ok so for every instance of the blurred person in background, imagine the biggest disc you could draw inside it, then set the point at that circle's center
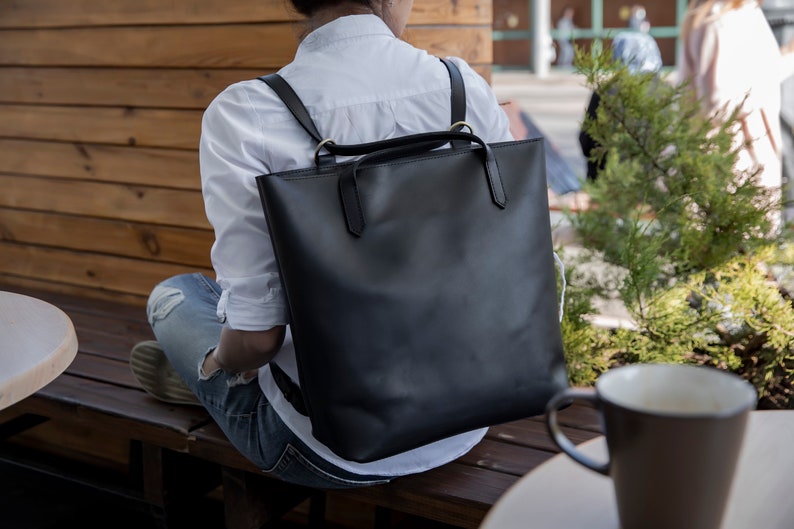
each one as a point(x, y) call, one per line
point(638, 19)
point(639, 53)
point(565, 27)
point(731, 58)
point(780, 15)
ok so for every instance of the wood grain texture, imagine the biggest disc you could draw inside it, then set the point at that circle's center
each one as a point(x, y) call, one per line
point(229, 46)
point(57, 13)
point(114, 126)
point(178, 169)
point(127, 87)
point(153, 205)
point(89, 270)
point(21, 283)
point(117, 86)
point(473, 44)
point(107, 236)
point(100, 119)
point(457, 12)
point(99, 405)
point(220, 46)
point(88, 448)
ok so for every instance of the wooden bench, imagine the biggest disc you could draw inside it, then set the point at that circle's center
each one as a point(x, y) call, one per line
point(168, 456)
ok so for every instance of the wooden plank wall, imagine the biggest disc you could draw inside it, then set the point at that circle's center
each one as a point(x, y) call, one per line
point(100, 112)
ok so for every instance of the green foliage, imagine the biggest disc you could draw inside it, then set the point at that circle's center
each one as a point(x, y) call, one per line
point(701, 274)
point(585, 344)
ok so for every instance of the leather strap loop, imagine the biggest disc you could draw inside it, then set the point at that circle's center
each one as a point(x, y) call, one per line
point(411, 145)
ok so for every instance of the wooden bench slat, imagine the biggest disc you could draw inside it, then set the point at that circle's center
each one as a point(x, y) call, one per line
point(456, 494)
point(578, 415)
point(89, 270)
point(102, 369)
point(135, 240)
point(138, 87)
point(93, 343)
point(185, 246)
point(533, 431)
point(109, 324)
point(171, 128)
point(83, 198)
point(103, 342)
point(263, 45)
point(101, 163)
point(503, 457)
point(15, 282)
point(74, 304)
point(117, 409)
point(470, 12)
point(56, 13)
point(472, 43)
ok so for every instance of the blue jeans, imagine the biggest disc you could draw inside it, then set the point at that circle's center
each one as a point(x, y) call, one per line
point(182, 313)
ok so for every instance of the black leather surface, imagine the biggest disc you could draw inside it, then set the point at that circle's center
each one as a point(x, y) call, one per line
point(440, 317)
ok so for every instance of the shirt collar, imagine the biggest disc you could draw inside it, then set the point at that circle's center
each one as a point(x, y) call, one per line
point(343, 28)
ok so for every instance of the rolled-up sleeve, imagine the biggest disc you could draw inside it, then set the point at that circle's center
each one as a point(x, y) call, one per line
point(242, 254)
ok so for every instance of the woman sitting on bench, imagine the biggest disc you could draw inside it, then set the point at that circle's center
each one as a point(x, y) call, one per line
point(215, 339)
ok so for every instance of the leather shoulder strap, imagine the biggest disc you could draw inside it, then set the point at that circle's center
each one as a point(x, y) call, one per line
point(297, 108)
point(458, 93)
point(293, 103)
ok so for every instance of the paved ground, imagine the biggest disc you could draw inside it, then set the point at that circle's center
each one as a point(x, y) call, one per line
point(557, 104)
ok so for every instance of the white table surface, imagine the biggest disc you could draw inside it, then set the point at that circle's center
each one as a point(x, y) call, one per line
point(561, 494)
point(37, 343)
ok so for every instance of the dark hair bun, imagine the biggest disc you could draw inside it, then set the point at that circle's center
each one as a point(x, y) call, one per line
point(309, 7)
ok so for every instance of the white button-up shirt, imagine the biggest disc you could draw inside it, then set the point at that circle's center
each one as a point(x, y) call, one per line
point(360, 84)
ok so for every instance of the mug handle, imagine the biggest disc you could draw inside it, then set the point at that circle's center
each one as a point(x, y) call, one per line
point(559, 400)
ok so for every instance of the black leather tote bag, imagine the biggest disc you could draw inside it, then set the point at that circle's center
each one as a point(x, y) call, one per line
point(421, 286)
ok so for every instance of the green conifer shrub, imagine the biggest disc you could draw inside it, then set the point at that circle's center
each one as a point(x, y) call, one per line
point(686, 238)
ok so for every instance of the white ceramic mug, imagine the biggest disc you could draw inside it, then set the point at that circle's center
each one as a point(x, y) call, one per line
point(673, 433)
